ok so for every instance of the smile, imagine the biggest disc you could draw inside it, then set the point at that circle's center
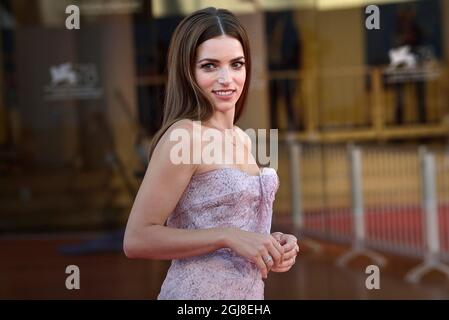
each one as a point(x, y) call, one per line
point(223, 92)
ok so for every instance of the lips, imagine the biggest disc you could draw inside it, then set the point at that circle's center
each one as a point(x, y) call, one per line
point(224, 93)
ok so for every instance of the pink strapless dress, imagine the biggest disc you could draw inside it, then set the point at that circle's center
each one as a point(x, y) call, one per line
point(225, 197)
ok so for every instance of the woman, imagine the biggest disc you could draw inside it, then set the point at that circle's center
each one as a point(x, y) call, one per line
point(211, 218)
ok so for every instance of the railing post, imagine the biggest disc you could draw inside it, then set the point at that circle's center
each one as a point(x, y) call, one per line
point(358, 246)
point(357, 194)
point(430, 205)
point(294, 150)
point(430, 210)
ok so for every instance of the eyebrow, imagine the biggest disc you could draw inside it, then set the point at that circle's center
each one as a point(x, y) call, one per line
point(215, 60)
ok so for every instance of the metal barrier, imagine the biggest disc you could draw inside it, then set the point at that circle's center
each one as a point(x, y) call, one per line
point(432, 259)
point(391, 199)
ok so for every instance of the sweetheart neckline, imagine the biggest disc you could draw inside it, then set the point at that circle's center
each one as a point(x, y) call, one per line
point(261, 170)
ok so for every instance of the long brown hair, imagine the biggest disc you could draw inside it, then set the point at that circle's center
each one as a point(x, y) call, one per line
point(184, 99)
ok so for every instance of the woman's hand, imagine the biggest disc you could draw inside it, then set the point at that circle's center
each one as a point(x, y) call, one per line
point(290, 245)
point(264, 250)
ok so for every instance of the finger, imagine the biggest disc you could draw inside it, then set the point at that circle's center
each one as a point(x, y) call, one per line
point(290, 254)
point(277, 236)
point(261, 266)
point(276, 251)
point(269, 263)
point(289, 238)
point(279, 247)
point(290, 244)
point(287, 263)
point(284, 269)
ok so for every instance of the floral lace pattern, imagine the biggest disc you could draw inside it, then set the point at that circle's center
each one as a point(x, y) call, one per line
point(225, 197)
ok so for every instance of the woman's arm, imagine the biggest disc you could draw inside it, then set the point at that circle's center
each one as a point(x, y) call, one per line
point(162, 187)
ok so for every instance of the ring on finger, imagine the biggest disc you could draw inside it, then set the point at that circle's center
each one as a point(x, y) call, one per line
point(267, 259)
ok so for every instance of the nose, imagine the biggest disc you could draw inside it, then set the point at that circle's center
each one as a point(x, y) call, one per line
point(223, 76)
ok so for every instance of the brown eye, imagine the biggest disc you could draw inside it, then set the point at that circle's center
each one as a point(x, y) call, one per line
point(208, 66)
point(238, 65)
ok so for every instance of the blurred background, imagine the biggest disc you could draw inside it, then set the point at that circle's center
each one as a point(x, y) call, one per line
point(363, 119)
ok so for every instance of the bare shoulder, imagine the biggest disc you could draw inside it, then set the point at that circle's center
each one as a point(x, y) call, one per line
point(183, 124)
point(165, 179)
point(175, 131)
point(180, 136)
point(180, 125)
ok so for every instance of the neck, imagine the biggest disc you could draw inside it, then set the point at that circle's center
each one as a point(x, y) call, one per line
point(221, 120)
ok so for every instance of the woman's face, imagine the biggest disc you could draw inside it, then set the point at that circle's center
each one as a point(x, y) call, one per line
point(220, 70)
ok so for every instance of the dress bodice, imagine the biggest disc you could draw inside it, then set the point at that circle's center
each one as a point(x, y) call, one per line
point(224, 197)
point(227, 197)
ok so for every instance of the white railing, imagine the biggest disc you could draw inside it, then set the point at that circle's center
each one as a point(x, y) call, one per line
point(375, 198)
